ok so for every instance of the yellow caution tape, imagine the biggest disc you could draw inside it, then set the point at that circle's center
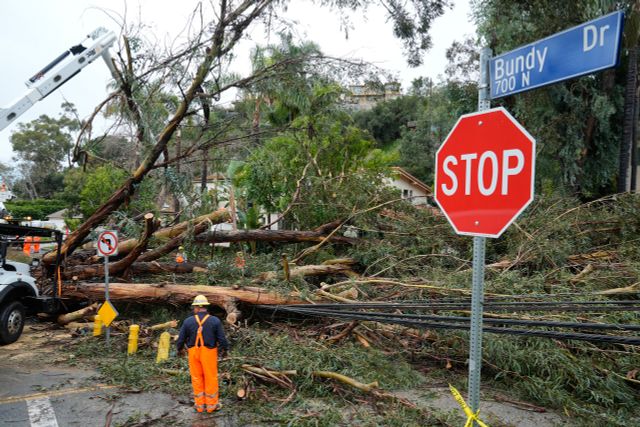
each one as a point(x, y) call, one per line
point(471, 416)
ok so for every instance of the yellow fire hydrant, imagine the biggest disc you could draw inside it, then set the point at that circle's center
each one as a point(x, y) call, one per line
point(134, 330)
point(163, 347)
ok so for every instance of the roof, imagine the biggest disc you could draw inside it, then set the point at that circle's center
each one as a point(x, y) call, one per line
point(406, 176)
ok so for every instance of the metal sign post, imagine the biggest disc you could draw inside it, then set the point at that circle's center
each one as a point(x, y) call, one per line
point(107, 245)
point(479, 244)
point(106, 293)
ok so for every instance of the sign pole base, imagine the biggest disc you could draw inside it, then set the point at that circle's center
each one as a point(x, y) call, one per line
point(475, 342)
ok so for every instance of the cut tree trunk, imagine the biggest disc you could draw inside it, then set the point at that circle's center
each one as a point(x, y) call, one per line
point(233, 314)
point(177, 294)
point(64, 319)
point(83, 272)
point(308, 270)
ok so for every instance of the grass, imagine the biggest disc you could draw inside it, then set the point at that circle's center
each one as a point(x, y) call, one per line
point(585, 381)
point(316, 402)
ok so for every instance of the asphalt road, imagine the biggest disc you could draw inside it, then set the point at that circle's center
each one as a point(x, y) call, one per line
point(37, 389)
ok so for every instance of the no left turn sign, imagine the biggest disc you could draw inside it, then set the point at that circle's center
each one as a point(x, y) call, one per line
point(108, 243)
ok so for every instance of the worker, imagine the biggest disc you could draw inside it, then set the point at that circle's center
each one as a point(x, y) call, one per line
point(180, 255)
point(203, 335)
point(26, 246)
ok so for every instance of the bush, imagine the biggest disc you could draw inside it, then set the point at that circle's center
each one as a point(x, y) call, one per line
point(37, 209)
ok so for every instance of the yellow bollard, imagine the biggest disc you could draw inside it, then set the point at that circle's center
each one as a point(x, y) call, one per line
point(133, 339)
point(163, 347)
point(97, 326)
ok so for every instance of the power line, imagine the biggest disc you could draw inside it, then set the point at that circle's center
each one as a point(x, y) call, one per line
point(443, 322)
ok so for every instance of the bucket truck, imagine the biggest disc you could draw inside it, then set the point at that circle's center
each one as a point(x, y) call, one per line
point(19, 294)
point(59, 71)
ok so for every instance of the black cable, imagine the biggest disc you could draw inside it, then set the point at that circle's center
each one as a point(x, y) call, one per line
point(612, 339)
point(588, 306)
point(522, 322)
point(439, 303)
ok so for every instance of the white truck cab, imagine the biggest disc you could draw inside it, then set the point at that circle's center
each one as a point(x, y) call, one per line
point(19, 294)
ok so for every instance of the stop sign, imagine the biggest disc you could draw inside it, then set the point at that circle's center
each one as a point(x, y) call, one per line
point(485, 172)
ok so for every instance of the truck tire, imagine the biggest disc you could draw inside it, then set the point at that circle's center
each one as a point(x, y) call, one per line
point(12, 317)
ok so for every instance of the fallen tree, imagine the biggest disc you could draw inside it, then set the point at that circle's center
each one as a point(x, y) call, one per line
point(219, 40)
point(82, 272)
point(140, 268)
point(328, 268)
point(173, 237)
point(178, 294)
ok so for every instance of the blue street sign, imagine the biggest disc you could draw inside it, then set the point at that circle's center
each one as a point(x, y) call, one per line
point(589, 47)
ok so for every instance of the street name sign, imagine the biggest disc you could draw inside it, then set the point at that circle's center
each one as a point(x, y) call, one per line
point(485, 173)
point(584, 49)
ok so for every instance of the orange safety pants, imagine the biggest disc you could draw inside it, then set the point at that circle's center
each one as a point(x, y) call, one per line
point(203, 366)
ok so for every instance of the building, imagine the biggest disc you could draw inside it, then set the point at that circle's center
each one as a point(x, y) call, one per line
point(365, 97)
point(410, 187)
point(55, 220)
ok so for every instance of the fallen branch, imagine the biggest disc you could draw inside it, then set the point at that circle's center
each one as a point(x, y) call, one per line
point(64, 319)
point(345, 332)
point(308, 270)
point(155, 267)
point(175, 236)
point(631, 289)
point(200, 225)
point(279, 376)
point(82, 272)
point(582, 274)
point(165, 325)
point(346, 380)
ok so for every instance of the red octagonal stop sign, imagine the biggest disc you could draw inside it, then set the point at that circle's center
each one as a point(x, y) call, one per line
point(485, 173)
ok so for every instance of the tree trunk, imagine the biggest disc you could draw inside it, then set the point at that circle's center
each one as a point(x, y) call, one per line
point(63, 319)
point(227, 32)
point(176, 232)
point(176, 198)
point(308, 270)
point(82, 272)
point(624, 158)
point(204, 172)
point(177, 294)
point(636, 146)
point(167, 267)
point(201, 225)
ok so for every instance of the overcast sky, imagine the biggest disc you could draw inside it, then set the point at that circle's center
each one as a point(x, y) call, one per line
point(34, 32)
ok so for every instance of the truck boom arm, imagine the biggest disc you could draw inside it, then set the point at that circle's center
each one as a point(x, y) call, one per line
point(60, 70)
